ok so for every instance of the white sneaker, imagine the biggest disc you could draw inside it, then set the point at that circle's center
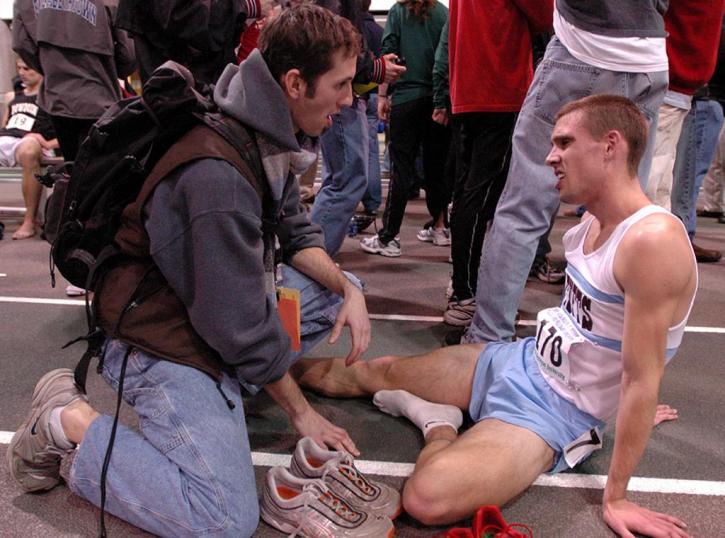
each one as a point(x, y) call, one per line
point(440, 237)
point(309, 508)
point(74, 291)
point(337, 470)
point(374, 246)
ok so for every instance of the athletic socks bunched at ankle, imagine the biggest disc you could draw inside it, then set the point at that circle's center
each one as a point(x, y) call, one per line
point(424, 414)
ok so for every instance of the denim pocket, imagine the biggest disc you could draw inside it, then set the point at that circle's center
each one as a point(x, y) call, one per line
point(560, 82)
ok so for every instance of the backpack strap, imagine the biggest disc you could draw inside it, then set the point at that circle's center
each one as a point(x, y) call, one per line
point(219, 139)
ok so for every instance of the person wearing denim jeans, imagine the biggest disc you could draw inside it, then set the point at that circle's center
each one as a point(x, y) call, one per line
point(529, 198)
point(373, 195)
point(191, 314)
point(345, 148)
point(695, 151)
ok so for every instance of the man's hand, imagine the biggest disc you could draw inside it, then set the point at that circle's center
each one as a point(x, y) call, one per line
point(354, 314)
point(625, 517)
point(310, 423)
point(384, 108)
point(45, 144)
point(664, 413)
point(392, 69)
point(440, 115)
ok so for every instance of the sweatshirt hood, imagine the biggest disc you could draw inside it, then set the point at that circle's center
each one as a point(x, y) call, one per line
point(249, 93)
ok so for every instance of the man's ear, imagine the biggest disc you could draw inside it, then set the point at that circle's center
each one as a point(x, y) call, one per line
point(614, 142)
point(293, 84)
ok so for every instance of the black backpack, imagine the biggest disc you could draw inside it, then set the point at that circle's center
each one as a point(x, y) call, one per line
point(84, 212)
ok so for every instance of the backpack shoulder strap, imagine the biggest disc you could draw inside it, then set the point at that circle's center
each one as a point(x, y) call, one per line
point(219, 141)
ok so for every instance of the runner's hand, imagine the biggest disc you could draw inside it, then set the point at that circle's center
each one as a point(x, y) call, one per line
point(625, 518)
point(664, 413)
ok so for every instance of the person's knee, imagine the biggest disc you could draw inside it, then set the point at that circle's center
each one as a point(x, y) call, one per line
point(233, 518)
point(28, 153)
point(425, 499)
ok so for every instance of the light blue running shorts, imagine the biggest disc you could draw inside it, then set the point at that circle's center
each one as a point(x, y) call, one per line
point(509, 387)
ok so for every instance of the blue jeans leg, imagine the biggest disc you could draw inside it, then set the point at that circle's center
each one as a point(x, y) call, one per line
point(189, 471)
point(695, 150)
point(318, 306)
point(372, 198)
point(529, 198)
point(345, 178)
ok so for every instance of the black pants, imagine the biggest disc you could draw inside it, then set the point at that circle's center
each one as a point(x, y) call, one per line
point(482, 162)
point(70, 133)
point(410, 126)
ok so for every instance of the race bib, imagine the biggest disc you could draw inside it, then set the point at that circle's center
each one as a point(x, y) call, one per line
point(556, 335)
point(21, 121)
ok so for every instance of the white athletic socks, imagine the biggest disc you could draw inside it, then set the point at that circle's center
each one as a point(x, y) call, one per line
point(424, 414)
point(56, 430)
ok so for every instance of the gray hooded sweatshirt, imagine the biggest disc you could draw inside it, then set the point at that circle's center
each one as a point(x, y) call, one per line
point(205, 228)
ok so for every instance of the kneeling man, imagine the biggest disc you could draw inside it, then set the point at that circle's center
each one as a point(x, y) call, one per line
point(539, 402)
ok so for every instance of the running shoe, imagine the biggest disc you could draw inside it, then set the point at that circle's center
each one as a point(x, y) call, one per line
point(460, 313)
point(33, 455)
point(373, 245)
point(309, 508)
point(441, 237)
point(337, 470)
point(545, 271)
point(74, 291)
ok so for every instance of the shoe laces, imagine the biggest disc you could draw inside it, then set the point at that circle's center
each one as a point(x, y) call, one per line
point(510, 531)
point(317, 489)
point(345, 465)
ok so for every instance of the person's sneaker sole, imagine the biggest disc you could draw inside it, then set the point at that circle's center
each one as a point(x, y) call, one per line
point(24, 471)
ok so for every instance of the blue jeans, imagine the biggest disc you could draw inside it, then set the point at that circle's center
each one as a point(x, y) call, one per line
point(344, 174)
point(529, 198)
point(189, 470)
point(373, 196)
point(695, 150)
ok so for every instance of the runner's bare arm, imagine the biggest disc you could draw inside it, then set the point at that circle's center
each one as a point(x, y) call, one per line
point(654, 268)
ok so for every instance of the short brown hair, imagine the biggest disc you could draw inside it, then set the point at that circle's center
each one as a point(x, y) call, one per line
point(604, 113)
point(306, 37)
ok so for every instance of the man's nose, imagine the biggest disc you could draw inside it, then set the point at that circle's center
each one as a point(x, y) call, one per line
point(553, 156)
point(346, 99)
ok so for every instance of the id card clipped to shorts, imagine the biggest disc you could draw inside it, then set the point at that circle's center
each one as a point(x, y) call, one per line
point(288, 308)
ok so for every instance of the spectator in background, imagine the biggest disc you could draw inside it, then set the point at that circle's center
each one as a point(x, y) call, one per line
point(412, 31)
point(199, 34)
point(26, 137)
point(345, 143)
point(491, 68)
point(81, 56)
point(695, 27)
point(373, 194)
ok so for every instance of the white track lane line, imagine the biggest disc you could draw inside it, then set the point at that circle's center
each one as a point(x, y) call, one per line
point(564, 480)
point(379, 317)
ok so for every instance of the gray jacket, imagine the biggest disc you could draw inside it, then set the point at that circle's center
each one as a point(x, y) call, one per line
point(78, 51)
point(205, 228)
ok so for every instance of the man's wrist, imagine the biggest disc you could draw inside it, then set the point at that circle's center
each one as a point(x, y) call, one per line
point(384, 96)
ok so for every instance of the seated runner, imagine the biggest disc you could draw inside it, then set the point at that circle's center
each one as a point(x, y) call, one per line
point(539, 403)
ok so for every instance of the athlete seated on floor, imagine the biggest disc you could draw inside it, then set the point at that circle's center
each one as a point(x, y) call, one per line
point(539, 402)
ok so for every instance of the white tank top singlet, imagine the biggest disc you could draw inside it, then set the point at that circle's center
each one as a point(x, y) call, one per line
point(579, 344)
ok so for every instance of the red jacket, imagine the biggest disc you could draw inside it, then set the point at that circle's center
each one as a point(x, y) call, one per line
point(489, 52)
point(694, 34)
